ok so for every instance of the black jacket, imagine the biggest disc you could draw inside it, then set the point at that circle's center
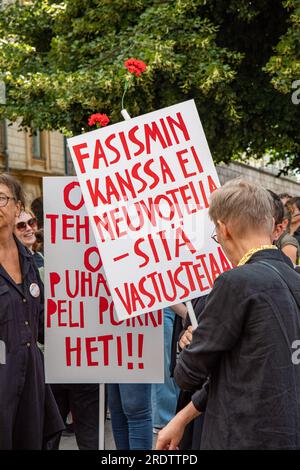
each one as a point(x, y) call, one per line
point(244, 344)
point(29, 416)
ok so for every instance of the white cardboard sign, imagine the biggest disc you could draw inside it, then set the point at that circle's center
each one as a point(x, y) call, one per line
point(84, 340)
point(146, 183)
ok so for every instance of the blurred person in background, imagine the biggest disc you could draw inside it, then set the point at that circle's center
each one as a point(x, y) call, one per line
point(287, 243)
point(38, 209)
point(39, 244)
point(284, 197)
point(281, 236)
point(293, 205)
point(25, 231)
point(82, 402)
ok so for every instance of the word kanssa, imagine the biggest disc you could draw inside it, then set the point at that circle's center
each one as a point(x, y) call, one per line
point(129, 183)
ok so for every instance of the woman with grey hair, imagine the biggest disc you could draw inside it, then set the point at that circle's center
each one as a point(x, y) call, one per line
point(241, 352)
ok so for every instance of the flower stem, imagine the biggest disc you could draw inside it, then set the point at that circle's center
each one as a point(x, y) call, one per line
point(125, 90)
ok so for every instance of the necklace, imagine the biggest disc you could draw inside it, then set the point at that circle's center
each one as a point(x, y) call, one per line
point(251, 252)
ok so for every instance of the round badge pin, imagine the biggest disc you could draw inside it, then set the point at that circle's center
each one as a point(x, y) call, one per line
point(34, 290)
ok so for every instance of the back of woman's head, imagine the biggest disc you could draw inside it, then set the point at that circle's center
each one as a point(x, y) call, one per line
point(248, 207)
point(294, 201)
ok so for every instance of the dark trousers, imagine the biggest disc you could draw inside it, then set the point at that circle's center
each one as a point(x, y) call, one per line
point(82, 400)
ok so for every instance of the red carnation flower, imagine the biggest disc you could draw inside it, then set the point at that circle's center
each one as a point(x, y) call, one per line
point(135, 66)
point(100, 120)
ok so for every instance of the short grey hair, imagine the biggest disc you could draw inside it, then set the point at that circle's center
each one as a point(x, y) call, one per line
point(247, 205)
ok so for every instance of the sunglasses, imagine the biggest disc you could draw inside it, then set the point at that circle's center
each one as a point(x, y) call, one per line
point(22, 225)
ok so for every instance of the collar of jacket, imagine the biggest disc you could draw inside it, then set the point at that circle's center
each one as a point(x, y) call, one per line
point(271, 254)
point(23, 251)
point(25, 263)
point(252, 251)
point(25, 257)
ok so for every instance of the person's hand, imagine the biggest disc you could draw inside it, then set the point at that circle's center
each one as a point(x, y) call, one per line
point(186, 338)
point(170, 436)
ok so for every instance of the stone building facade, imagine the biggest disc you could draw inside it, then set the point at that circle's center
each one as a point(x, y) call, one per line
point(268, 178)
point(30, 157)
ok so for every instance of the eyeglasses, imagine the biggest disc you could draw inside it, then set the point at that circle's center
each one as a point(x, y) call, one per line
point(22, 225)
point(4, 200)
point(214, 236)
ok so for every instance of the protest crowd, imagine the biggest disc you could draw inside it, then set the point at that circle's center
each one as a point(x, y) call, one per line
point(233, 382)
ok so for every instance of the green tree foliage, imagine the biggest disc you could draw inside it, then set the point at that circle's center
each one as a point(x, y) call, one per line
point(284, 65)
point(62, 61)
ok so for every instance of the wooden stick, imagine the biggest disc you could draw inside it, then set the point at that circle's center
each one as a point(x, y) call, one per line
point(101, 416)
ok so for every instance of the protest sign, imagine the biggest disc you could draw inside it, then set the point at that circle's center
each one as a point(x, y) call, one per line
point(146, 183)
point(85, 342)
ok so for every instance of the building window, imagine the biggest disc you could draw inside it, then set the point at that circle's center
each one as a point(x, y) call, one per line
point(38, 148)
point(39, 144)
point(36, 145)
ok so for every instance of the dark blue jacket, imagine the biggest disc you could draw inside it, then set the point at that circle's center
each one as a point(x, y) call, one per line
point(29, 417)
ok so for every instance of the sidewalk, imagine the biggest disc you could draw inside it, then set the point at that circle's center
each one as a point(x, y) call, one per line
point(69, 442)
